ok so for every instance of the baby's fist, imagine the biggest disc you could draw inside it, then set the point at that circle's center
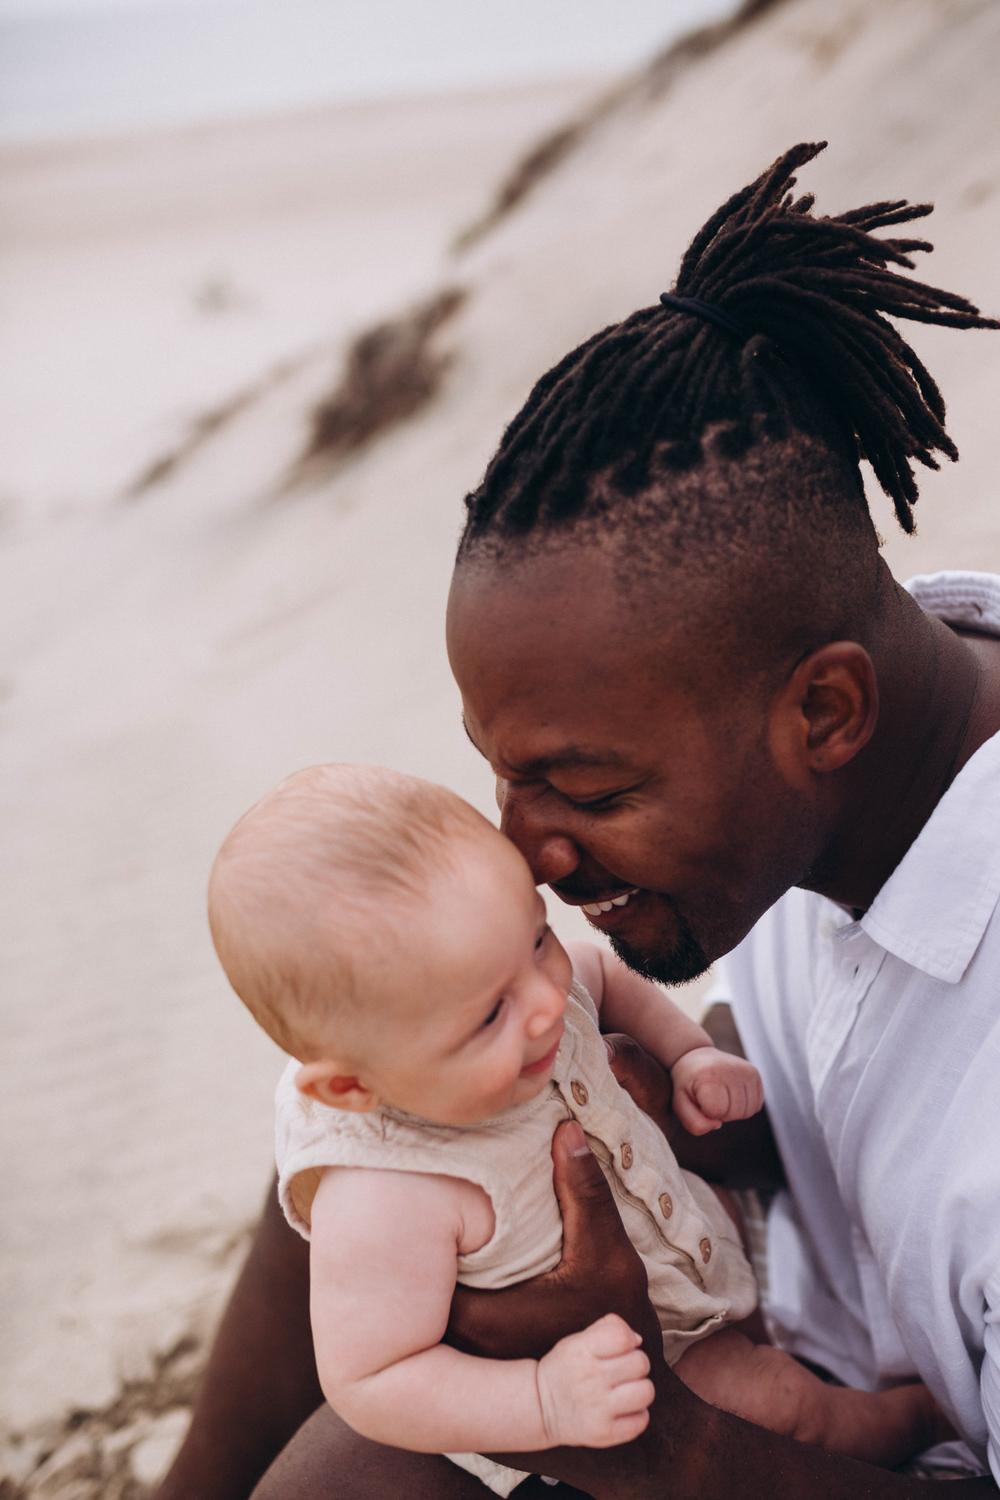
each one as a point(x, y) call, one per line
point(711, 1087)
point(593, 1387)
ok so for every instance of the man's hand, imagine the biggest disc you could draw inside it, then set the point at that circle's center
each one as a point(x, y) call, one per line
point(741, 1155)
point(646, 1079)
point(593, 1387)
point(600, 1272)
point(711, 1087)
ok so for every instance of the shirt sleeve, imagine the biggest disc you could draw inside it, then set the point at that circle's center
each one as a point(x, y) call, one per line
point(989, 1379)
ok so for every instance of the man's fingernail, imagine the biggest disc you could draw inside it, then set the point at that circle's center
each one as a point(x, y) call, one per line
point(577, 1140)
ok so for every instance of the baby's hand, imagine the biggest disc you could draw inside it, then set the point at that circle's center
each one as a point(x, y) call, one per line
point(712, 1086)
point(593, 1386)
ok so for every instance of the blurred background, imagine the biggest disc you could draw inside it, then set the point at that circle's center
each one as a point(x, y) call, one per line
point(273, 276)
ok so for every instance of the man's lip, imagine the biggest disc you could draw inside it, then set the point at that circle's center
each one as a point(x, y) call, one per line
point(573, 898)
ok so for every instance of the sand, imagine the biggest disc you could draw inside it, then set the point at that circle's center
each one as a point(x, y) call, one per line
point(145, 282)
point(174, 648)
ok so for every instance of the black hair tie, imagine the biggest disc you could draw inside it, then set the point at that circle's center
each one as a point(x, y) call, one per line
point(708, 312)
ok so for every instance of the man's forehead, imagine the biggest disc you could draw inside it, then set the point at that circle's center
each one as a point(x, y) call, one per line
point(575, 681)
point(567, 642)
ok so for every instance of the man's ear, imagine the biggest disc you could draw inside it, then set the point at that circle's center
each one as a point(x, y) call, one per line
point(329, 1083)
point(826, 712)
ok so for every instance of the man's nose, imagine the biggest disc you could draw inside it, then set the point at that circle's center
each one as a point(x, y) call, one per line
point(551, 853)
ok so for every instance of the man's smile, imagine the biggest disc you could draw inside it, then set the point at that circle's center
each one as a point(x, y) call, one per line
point(606, 901)
point(594, 909)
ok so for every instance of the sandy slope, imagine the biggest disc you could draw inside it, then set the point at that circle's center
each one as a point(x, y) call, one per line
point(174, 654)
point(143, 281)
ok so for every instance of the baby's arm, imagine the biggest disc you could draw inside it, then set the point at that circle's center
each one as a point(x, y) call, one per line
point(384, 1248)
point(709, 1086)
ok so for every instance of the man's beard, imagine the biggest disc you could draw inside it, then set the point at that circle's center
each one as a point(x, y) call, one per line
point(684, 960)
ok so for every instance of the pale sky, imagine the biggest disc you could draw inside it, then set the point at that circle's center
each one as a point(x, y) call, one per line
point(78, 66)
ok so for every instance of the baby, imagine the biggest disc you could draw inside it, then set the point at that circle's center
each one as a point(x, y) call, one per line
point(389, 937)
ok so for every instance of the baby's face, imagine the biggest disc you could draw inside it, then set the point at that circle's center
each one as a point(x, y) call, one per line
point(476, 1018)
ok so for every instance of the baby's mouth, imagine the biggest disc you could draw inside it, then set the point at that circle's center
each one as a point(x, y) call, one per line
point(545, 1061)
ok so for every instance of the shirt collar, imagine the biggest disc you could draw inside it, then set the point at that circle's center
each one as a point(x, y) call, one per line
point(934, 908)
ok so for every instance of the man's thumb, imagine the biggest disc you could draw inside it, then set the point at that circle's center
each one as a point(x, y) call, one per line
point(588, 1210)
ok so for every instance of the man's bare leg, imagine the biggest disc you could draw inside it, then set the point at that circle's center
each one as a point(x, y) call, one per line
point(260, 1384)
point(327, 1461)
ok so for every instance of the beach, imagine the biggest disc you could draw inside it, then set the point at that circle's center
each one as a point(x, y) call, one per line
point(228, 513)
point(147, 281)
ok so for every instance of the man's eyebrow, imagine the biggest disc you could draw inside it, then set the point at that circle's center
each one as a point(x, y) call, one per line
point(566, 756)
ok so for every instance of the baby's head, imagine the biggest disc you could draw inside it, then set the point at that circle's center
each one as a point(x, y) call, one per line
point(388, 936)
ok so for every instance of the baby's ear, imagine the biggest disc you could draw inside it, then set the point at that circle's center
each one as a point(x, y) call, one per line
point(327, 1082)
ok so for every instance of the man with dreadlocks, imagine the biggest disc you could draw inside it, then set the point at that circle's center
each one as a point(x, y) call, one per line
point(720, 727)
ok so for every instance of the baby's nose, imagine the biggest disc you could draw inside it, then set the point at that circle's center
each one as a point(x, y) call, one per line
point(549, 1006)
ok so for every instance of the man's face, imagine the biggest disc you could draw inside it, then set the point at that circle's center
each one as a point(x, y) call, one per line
point(621, 775)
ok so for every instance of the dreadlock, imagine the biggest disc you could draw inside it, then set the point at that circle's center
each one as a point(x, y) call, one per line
point(816, 355)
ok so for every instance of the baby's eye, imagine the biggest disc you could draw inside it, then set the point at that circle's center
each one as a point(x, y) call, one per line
point(494, 1013)
point(540, 939)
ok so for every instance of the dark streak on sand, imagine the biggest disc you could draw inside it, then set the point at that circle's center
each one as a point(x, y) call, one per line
point(391, 372)
point(208, 424)
point(650, 82)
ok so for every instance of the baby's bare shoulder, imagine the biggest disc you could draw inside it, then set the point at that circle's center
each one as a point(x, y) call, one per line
point(375, 1200)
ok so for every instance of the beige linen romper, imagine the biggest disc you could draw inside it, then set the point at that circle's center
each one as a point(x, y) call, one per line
point(699, 1278)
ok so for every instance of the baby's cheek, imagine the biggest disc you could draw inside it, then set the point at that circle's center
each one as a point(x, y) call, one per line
point(505, 1076)
point(493, 1088)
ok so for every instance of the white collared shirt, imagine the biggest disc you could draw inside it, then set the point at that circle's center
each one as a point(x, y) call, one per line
point(879, 1045)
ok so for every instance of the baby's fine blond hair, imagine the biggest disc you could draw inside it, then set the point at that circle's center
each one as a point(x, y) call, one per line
point(305, 895)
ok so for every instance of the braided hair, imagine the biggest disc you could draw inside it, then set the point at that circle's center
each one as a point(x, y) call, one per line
point(800, 345)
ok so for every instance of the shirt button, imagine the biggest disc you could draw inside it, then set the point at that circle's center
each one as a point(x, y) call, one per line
point(705, 1246)
point(579, 1092)
point(666, 1205)
point(627, 1157)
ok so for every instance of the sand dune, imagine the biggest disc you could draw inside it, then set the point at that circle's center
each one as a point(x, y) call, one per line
point(175, 646)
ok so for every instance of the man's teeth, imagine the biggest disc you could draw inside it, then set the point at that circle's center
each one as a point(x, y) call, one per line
point(597, 907)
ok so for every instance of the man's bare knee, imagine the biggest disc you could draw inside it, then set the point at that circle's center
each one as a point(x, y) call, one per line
point(326, 1460)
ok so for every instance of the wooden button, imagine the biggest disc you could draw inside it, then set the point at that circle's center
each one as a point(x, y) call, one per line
point(666, 1205)
point(705, 1246)
point(627, 1157)
point(579, 1092)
